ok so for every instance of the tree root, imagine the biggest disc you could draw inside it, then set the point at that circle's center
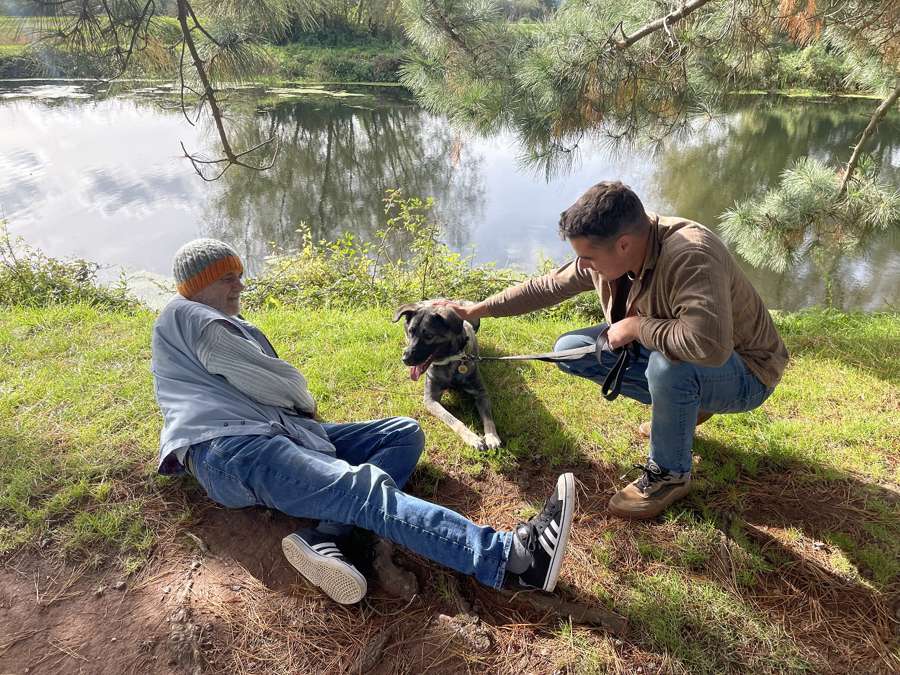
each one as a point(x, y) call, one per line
point(395, 580)
point(578, 612)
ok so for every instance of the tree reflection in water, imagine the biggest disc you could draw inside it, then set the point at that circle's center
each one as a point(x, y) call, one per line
point(745, 151)
point(335, 163)
point(338, 157)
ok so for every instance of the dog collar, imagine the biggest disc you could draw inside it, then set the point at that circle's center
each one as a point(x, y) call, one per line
point(469, 352)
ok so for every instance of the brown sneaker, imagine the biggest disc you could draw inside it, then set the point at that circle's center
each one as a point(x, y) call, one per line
point(644, 427)
point(651, 493)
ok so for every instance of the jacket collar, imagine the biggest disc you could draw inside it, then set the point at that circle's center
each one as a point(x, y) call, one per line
point(654, 246)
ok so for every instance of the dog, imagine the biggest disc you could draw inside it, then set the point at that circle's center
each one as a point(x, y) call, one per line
point(443, 347)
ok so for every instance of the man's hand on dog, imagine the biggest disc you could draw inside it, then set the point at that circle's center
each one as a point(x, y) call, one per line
point(465, 312)
point(624, 332)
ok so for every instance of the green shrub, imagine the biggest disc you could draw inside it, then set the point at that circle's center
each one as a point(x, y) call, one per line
point(406, 262)
point(30, 278)
point(370, 62)
point(812, 67)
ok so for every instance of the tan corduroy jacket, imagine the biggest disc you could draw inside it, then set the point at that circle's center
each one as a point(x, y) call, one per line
point(694, 301)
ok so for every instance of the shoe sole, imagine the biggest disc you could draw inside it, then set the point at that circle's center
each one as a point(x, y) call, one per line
point(565, 491)
point(340, 581)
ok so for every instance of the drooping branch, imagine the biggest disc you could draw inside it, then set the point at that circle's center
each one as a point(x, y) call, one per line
point(143, 20)
point(443, 22)
point(874, 121)
point(208, 97)
point(101, 30)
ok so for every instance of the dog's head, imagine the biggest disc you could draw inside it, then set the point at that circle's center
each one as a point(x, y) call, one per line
point(433, 332)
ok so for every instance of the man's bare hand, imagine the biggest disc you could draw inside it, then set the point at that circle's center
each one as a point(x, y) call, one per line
point(624, 332)
point(466, 312)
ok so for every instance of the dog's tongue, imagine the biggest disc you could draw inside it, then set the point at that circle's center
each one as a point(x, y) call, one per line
point(415, 372)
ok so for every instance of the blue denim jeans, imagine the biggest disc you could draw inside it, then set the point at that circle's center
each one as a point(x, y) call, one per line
point(359, 487)
point(677, 391)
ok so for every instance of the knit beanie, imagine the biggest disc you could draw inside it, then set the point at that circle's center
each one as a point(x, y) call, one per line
point(201, 262)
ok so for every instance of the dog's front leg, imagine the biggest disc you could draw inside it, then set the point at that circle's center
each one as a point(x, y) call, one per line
point(433, 405)
point(483, 403)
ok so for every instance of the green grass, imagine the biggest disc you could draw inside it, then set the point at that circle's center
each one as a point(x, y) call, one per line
point(367, 61)
point(79, 428)
point(78, 412)
point(686, 617)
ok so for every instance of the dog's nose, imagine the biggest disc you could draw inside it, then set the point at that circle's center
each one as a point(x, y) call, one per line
point(407, 357)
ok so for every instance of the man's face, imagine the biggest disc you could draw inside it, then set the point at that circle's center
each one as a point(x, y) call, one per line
point(223, 295)
point(611, 260)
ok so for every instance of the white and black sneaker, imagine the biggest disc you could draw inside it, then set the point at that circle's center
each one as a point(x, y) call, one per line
point(318, 558)
point(545, 536)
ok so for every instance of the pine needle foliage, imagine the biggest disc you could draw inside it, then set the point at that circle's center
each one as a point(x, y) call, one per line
point(641, 71)
point(806, 216)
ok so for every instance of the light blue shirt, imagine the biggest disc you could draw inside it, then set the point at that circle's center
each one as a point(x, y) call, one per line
point(197, 405)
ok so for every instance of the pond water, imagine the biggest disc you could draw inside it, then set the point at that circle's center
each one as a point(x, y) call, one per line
point(89, 174)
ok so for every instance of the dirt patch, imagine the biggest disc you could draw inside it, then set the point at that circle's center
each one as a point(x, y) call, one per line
point(219, 597)
point(69, 621)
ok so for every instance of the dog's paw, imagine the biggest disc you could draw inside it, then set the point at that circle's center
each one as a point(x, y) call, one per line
point(475, 441)
point(492, 441)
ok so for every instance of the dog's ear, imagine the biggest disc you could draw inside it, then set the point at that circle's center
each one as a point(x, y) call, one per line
point(406, 310)
point(474, 322)
point(449, 316)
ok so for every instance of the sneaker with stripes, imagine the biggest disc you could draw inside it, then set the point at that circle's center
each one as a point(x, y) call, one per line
point(546, 536)
point(318, 557)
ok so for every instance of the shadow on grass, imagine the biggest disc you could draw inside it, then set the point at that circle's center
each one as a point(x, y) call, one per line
point(536, 447)
point(827, 547)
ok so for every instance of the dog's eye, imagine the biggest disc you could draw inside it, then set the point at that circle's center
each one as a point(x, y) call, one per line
point(426, 335)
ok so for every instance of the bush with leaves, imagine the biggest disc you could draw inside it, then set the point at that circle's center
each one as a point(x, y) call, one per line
point(30, 278)
point(406, 262)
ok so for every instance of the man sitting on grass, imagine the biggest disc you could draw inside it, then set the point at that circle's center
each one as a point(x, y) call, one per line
point(243, 423)
point(707, 342)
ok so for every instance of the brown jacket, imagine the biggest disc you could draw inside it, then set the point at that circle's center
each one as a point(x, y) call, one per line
point(695, 302)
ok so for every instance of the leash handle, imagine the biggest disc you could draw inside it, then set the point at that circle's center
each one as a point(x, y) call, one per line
point(612, 383)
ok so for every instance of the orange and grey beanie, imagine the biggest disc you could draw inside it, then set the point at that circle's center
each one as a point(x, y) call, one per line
point(201, 262)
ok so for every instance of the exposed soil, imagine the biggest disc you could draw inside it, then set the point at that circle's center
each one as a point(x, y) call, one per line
point(218, 595)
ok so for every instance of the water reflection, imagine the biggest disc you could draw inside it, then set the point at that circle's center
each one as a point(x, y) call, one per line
point(102, 178)
point(335, 163)
point(744, 152)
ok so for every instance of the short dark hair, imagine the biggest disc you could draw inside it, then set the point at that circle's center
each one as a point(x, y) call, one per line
point(606, 211)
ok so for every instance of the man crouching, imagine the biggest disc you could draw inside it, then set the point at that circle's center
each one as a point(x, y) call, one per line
point(243, 423)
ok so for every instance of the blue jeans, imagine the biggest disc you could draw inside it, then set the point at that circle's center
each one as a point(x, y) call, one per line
point(677, 391)
point(359, 487)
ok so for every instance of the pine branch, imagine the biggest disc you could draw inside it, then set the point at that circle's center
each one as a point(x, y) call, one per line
point(876, 118)
point(663, 22)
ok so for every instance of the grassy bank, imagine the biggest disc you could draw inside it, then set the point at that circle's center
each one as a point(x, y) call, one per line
point(809, 481)
point(365, 61)
point(350, 58)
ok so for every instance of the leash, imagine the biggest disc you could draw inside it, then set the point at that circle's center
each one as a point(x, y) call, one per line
point(612, 384)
